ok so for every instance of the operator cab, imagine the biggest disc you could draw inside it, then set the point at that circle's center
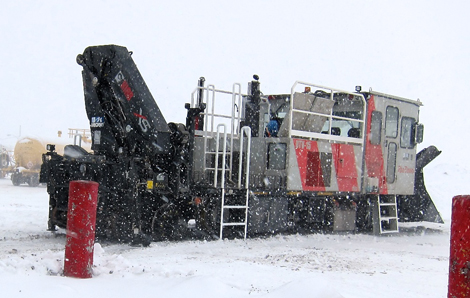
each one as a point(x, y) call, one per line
point(319, 114)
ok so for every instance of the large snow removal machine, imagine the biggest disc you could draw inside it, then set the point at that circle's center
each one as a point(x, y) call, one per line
point(313, 158)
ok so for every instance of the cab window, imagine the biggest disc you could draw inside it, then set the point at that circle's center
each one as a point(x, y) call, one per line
point(407, 133)
point(391, 162)
point(391, 122)
point(376, 128)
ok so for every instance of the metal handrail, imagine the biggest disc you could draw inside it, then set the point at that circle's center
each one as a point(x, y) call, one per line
point(247, 131)
point(236, 94)
point(330, 115)
point(210, 116)
point(217, 152)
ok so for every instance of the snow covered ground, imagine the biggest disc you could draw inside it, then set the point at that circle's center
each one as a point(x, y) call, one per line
point(411, 264)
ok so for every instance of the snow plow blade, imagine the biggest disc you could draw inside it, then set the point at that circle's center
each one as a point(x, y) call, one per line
point(420, 207)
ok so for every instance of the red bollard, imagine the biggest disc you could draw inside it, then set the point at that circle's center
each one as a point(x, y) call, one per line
point(459, 260)
point(81, 219)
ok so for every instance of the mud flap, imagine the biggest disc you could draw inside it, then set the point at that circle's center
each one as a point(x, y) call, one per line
point(419, 207)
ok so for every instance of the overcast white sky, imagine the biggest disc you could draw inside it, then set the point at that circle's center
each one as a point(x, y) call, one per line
point(414, 49)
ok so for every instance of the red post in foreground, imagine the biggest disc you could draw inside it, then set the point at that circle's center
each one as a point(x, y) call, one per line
point(459, 260)
point(81, 219)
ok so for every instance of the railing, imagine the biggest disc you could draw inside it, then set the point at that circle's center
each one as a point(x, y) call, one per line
point(85, 133)
point(320, 135)
point(217, 153)
point(216, 115)
point(245, 131)
point(213, 114)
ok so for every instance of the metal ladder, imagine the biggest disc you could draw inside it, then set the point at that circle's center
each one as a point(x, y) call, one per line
point(230, 194)
point(215, 131)
point(385, 214)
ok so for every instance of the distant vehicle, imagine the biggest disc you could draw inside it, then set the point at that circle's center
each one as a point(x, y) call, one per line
point(28, 157)
point(5, 161)
point(28, 152)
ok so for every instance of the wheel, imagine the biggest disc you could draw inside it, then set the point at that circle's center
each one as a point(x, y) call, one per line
point(208, 220)
point(33, 181)
point(166, 224)
point(15, 179)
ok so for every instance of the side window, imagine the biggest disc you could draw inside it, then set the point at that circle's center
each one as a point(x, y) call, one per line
point(376, 128)
point(277, 156)
point(407, 133)
point(391, 122)
point(391, 162)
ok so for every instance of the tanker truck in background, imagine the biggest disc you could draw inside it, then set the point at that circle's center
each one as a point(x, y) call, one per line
point(28, 155)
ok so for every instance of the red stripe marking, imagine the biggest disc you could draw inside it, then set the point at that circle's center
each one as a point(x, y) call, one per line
point(140, 116)
point(308, 168)
point(374, 154)
point(127, 90)
point(345, 166)
point(314, 173)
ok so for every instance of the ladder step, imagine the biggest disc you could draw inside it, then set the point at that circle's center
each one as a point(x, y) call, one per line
point(220, 152)
point(235, 207)
point(233, 224)
point(385, 213)
point(388, 217)
point(389, 231)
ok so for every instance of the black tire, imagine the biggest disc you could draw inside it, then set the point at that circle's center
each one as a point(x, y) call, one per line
point(166, 224)
point(15, 179)
point(33, 181)
point(208, 220)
